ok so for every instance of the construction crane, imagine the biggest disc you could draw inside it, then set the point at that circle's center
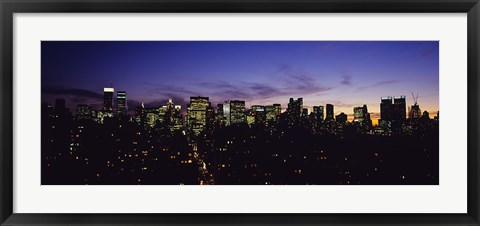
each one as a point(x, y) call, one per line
point(414, 111)
point(415, 98)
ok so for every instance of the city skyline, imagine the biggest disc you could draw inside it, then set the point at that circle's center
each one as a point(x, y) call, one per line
point(230, 144)
point(239, 113)
point(112, 97)
point(259, 72)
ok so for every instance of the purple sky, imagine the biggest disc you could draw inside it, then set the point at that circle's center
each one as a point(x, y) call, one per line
point(343, 73)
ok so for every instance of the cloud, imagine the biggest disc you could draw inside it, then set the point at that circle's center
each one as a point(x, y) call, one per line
point(384, 82)
point(381, 83)
point(288, 82)
point(168, 91)
point(284, 69)
point(132, 104)
point(78, 93)
point(337, 103)
point(84, 100)
point(233, 94)
point(301, 82)
point(265, 90)
point(72, 97)
point(241, 90)
point(216, 85)
point(427, 52)
point(346, 79)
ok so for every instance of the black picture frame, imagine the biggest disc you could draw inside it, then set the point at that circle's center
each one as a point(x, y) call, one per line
point(9, 7)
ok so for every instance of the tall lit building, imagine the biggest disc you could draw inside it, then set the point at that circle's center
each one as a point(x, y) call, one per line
point(366, 117)
point(295, 107)
point(226, 112)
point(164, 115)
point(250, 117)
point(358, 115)
point(304, 114)
point(361, 118)
point(210, 118)
point(330, 110)
point(260, 117)
point(151, 117)
point(237, 112)
point(278, 109)
point(259, 113)
point(272, 112)
point(316, 117)
point(197, 114)
point(294, 111)
point(83, 112)
point(140, 115)
point(257, 108)
point(177, 118)
point(393, 113)
point(318, 113)
point(108, 101)
point(122, 103)
point(399, 108)
point(415, 112)
point(219, 117)
point(386, 109)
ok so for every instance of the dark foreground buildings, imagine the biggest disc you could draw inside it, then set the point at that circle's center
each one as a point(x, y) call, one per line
point(229, 144)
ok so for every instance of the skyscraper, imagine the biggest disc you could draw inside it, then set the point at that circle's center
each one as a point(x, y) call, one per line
point(108, 100)
point(272, 112)
point(259, 113)
point(121, 103)
point(140, 115)
point(329, 116)
point(177, 118)
point(392, 114)
point(316, 117)
point(318, 112)
point(361, 114)
point(415, 112)
point(399, 108)
point(304, 114)
point(358, 115)
point(367, 121)
point(237, 112)
point(386, 109)
point(294, 111)
point(197, 114)
point(250, 117)
point(226, 112)
point(152, 116)
point(278, 109)
point(83, 112)
point(219, 118)
point(295, 107)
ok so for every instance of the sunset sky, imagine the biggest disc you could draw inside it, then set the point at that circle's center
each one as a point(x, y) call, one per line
point(344, 73)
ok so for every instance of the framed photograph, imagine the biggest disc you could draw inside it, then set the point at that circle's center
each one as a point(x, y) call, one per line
point(239, 112)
